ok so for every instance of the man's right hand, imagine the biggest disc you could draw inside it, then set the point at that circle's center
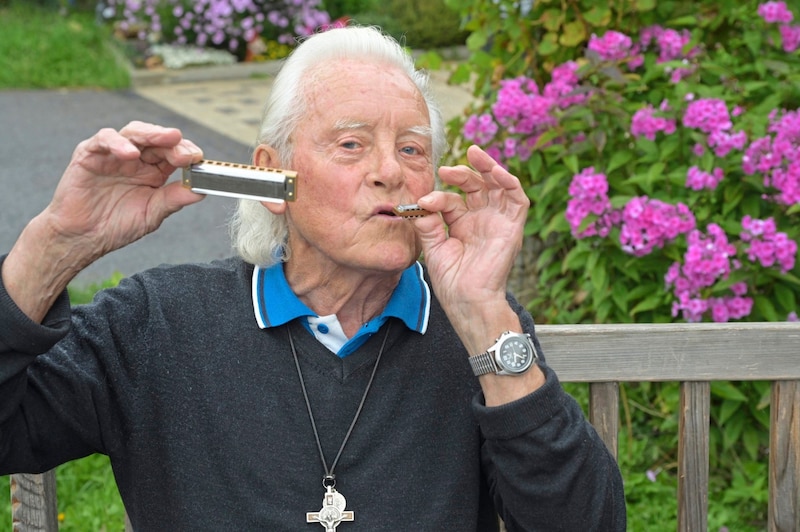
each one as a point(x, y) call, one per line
point(112, 193)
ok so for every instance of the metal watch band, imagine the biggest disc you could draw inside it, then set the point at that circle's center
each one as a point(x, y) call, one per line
point(483, 364)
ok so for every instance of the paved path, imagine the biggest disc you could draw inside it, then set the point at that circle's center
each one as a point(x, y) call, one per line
point(217, 108)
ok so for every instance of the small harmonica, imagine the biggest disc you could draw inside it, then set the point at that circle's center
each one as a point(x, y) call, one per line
point(241, 181)
point(410, 211)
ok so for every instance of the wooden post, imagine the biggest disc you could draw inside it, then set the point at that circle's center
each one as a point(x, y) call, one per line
point(784, 457)
point(693, 447)
point(33, 503)
point(604, 412)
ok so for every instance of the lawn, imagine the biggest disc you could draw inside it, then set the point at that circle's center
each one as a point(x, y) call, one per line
point(41, 48)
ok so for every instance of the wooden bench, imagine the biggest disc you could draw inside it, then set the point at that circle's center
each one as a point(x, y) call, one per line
point(604, 356)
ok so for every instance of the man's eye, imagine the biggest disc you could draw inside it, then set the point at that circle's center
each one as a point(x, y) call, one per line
point(350, 145)
point(409, 150)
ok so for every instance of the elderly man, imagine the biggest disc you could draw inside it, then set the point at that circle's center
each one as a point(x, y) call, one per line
point(257, 393)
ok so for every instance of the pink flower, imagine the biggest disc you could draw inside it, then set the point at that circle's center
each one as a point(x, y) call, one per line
point(648, 224)
point(768, 246)
point(791, 38)
point(709, 115)
point(775, 12)
point(645, 124)
point(696, 179)
point(612, 46)
point(589, 196)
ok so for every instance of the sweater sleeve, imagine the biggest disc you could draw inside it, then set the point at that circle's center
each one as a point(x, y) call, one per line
point(22, 412)
point(546, 466)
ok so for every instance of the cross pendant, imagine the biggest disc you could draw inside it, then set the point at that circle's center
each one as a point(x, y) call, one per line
point(333, 511)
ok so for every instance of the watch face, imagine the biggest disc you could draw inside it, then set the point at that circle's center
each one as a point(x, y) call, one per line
point(515, 354)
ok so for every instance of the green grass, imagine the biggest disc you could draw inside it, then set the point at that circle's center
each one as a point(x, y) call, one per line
point(42, 49)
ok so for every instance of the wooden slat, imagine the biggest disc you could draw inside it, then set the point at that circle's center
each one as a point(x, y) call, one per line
point(672, 352)
point(784, 457)
point(33, 503)
point(604, 412)
point(693, 429)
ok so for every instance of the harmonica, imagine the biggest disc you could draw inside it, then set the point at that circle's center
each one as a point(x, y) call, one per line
point(241, 181)
point(410, 211)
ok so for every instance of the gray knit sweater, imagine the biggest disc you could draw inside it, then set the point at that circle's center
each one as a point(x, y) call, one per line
point(202, 415)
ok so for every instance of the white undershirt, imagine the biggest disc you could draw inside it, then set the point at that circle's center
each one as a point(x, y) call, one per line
point(328, 331)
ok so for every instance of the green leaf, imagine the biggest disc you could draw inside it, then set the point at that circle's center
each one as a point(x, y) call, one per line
point(619, 293)
point(573, 34)
point(726, 390)
point(429, 60)
point(571, 162)
point(598, 16)
point(618, 159)
point(786, 299)
point(461, 74)
point(575, 259)
point(727, 409)
point(477, 40)
point(766, 309)
point(535, 165)
point(649, 303)
point(552, 19)
point(548, 45)
point(599, 277)
point(752, 442)
point(732, 431)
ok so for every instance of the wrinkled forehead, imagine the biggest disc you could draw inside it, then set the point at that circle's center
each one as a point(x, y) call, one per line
point(324, 78)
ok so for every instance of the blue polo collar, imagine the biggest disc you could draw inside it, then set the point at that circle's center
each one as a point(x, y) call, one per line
point(275, 304)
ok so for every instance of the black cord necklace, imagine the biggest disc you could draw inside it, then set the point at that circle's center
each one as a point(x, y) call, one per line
point(333, 503)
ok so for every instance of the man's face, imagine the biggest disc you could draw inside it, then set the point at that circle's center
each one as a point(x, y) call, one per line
point(363, 147)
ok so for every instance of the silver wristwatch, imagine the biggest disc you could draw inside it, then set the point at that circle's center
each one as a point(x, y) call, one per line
point(512, 354)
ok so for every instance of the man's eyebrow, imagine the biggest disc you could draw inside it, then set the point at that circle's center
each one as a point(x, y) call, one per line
point(425, 131)
point(345, 124)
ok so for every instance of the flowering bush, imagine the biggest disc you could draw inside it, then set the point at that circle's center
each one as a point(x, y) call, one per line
point(659, 144)
point(226, 24)
point(663, 166)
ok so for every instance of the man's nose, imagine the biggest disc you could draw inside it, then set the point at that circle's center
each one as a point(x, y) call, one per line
point(388, 169)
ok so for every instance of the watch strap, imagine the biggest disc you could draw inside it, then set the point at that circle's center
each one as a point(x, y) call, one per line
point(483, 364)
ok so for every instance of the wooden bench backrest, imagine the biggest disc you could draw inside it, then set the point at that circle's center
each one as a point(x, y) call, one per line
point(604, 356)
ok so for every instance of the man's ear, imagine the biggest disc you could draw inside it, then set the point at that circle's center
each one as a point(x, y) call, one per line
point(267, 156)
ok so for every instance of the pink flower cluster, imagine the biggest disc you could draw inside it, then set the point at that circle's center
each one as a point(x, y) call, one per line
point(707, 259)
point(589, 195)
point(480, 129)
point(646, 124)
point(670, 44)
point(767, 245)
point(649, 223)
point(697, 179)
point(612, 46)
point(778, 13)
point(777, 157)
point(711, 116)
point(523, 112)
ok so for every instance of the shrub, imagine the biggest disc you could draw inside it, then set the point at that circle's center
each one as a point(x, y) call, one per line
point(224, 24)
point(658, 143)
point(662, 165)
point(419, 24)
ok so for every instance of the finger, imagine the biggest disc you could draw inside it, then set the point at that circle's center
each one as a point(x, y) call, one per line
point(169, 158)
point(494, 174)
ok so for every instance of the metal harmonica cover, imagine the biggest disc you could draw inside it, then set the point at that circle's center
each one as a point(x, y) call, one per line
point(410, 211)
point(241, 181)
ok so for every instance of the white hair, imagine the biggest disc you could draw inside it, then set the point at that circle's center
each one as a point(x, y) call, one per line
point(259, 236)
